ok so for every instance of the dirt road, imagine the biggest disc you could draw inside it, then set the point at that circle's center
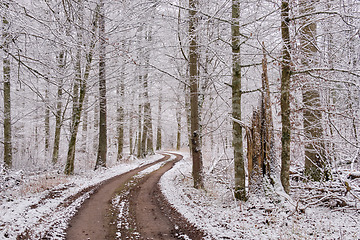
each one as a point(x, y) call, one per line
point(145, 214)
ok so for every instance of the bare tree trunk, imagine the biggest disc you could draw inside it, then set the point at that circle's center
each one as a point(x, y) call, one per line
point(131, 138)
point(139, 142)
point(58, 117)
point(69, 167)
point(267, 122)
point(95, 127)
point(261, 159)
point(239, 167)
point(158, 132)
point(120, 92)
point(7, 99)
point(147, 106)
point(101, 157)
point(148, 120)
point(84, 130)
point(144, 135)
point(188, 116)
point(285, 96)
point(315, 159)
point(47, 121)
point(194, 98)
point(178, 135)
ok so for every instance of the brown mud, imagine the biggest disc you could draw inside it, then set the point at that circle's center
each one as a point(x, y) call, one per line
point(147, 215)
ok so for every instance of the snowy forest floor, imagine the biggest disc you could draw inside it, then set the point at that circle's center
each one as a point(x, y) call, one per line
point(313, 211)
point(40, 205)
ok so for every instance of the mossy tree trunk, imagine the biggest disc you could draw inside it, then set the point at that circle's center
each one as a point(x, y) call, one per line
point(47, 120)
point(239, 166)
point(158, 131)
point(120, 92)
point(102, 150)
point(285, 96)
point(178, 135)
point(69, 167)
point(61, 59)
point(197, 170)
point(6, 37)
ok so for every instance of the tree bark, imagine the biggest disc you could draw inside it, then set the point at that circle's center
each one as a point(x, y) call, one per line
point(120, 130)
point(47, 121)
point(315, 159)
point(285, 96)
point(158, 131)
point(58, 117)
point(239, 167)
point(261, 160)
point(84, 129)
point(139, 142)
point(102, 150)
point(194, 98)
point(7, 90)
point(178, 135)
point(148, 120)
point(69, 167)
point(120, 92)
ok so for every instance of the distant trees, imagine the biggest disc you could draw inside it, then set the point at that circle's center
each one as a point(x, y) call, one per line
point(174, 69)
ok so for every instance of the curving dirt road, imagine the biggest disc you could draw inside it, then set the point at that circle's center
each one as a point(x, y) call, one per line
point(145, 214)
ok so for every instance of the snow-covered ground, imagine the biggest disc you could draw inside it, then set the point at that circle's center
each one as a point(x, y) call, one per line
point(215, 211)
point(38, 205)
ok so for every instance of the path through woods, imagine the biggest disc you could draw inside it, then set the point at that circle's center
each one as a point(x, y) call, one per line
point(145, 214)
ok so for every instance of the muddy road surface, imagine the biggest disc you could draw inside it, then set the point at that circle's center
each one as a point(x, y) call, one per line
point(131, 206)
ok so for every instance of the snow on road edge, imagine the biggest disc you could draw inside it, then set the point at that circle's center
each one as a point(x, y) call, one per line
point(30, 215)
point(221, 217)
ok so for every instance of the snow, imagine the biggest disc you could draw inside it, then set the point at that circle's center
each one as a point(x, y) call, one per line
point(215, 211)
point(35, 206)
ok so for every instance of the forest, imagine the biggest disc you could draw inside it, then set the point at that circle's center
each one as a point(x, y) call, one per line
point(260, 97)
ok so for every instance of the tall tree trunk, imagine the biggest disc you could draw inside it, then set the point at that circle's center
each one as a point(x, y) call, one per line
point(58, 117)
point(147, 106)
point(285, 96)
point(131, 113)
point(120, 92)
point(315, 159)
point(188, 116)
point(178, 121)
point(47, 121)
point(139, 142)
point(95, 126)
point(194, 98)
point(147, 120)
point(84, 130)
point(158, 131)
point(69, 167)
point(101, 157)
point(7, 100)
point(239, 167)
point(131, 138)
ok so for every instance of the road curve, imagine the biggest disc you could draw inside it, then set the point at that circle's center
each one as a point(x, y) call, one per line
point(146, 214)
point(93, 218)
